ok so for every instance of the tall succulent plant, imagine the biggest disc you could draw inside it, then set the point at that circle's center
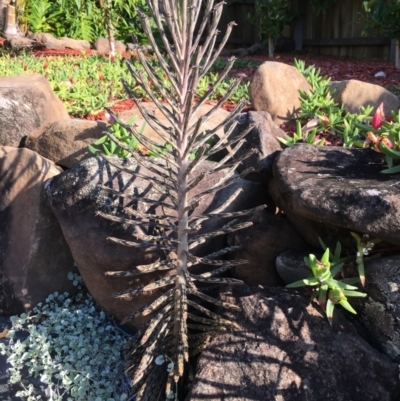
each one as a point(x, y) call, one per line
point(180, 323)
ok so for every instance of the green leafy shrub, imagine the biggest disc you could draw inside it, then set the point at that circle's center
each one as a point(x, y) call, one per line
point(322, 118)
point(272, 16)
point(109, 147)
point(88, 84)
point(84, 19)
point(72, 347)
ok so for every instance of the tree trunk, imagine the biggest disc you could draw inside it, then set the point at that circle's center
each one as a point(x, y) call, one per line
point(110, 28)
point(271, 47)
point(397, 54)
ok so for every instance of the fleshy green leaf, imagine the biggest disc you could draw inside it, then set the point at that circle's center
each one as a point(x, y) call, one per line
point(325, 257)
point(347, 306)
point(301, 283)
point(338, 284)
point(392, 170)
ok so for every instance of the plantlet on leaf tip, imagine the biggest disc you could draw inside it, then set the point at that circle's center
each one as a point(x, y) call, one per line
point(180, 324)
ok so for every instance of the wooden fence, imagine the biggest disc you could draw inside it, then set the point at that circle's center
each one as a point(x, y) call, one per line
point(336, 32)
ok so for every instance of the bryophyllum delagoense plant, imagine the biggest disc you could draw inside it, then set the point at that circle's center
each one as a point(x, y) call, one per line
point(180, 324)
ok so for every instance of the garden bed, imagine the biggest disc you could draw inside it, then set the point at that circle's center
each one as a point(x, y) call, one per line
point(336, 68)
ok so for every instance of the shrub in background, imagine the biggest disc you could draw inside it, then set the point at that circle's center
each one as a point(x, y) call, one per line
point(84, 19)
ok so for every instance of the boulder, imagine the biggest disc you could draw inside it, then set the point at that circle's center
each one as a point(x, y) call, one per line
point(21, 43)
point(328, 192)
point(285, 349)
point(26, 103)
point(291, 267)
point(34, 257)
point(354, 94)
point(262, 138)
point(275, 88)
point(75, 44)
point(65, 142)
point(75, 196)
point(50, 42)
point(47, 40)
point(241, 52)
point(103, 46)
point(225, 53)
point(379, 313)
point(257, 48)
point(269, 236)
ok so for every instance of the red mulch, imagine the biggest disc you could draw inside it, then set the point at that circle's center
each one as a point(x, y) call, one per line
point(336, 68)
point(339, 69)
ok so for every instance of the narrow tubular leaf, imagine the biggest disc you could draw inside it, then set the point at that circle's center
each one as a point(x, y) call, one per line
point(148, 356)
point(231, 214)
point(223, 183)
point(152, 286)
point(216, 280)
point(148, 245)
point(204, 22)
point(221, 77)
point(226, 142)
point(212, 262)
point(146, 142)
point(124, 220)
point(133, 212)
point(152, 179)
point(154, 168)
point(220, 270)
point(198, 240)
point(214, 301)
point(220, 320)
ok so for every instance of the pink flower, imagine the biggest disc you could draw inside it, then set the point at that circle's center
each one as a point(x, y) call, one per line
point(325, 120)
point(387, 142)
point(109, 118)
point(378, 117)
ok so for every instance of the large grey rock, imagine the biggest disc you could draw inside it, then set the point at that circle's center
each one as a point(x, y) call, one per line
point(354, 94)
point(102, 45)
point(21, 43)
point(26, 103)
point(65, 142)
point(50, 42)
point(75, 197)
point(269, 236)
point(241, 52)
point(275, 88)
point(34, 257)
point(75, 44)
point(291, 267)
point(47, 40)
point(379, 313)
point(329, 192)
point(263, 139)
point(286, 350)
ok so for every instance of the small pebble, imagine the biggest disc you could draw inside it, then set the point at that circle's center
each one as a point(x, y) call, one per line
point(380, 74)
